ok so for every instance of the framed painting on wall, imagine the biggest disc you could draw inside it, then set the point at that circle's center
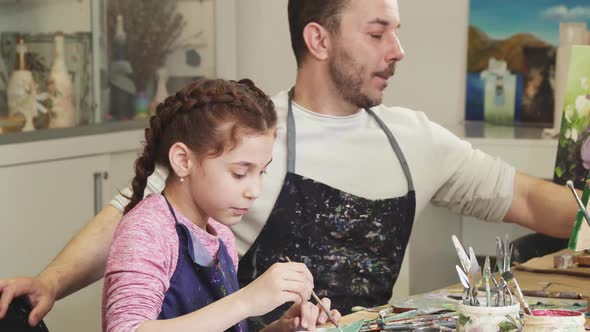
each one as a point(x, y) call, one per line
point(511, 59)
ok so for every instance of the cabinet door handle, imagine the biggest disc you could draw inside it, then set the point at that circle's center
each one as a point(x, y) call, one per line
point(97, 192)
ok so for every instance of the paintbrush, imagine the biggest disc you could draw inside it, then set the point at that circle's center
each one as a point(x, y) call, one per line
point(487, 272)
point(315, 296)
point(509, 278)
point(570, 185)
point(553, 295)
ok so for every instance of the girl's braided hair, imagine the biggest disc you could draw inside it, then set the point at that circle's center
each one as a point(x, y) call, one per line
point(209, 117)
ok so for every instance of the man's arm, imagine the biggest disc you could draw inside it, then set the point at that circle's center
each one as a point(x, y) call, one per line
point(80, 263)
point(83, 259)
point(542, 206)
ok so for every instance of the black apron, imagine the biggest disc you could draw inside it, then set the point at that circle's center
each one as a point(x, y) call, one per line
point(353, 246)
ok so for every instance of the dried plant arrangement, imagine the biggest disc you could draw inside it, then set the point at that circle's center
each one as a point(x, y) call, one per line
point(153, 28)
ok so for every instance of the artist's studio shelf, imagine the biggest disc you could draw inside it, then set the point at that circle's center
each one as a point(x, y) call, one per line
point(103, 78)
point(54, 180)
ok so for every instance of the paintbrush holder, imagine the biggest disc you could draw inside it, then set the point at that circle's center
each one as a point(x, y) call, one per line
point(487, 319)
point(554, 320)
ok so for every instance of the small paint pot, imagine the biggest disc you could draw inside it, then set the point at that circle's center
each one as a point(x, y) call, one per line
point(486, 319)
point(554, 320)
point(563, 261)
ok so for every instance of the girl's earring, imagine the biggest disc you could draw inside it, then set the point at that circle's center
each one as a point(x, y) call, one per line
point(182, 179)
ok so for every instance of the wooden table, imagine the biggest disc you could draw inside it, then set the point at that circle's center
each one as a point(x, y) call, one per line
point(527, 280)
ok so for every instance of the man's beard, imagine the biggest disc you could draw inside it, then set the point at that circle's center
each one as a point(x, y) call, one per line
point(347, 76)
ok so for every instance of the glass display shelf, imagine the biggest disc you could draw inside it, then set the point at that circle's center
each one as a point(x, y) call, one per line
point(80, 67)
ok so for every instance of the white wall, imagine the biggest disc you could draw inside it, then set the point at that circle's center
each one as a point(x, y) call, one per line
point(431, 78)
point(264, 48)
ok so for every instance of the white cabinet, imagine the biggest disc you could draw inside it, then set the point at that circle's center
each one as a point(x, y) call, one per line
point(122, 171)
point(44, 201)
point(43, 206)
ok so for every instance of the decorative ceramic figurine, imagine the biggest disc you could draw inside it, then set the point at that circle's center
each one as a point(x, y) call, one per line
point(21, 92)
point(141, 106)
point(161, 90)
point(60, 88)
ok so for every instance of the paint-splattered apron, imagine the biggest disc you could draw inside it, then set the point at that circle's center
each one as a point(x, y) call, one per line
point(194, 286)
point(353, 246)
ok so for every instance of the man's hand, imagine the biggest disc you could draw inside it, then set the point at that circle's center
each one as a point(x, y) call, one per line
point(39, 293)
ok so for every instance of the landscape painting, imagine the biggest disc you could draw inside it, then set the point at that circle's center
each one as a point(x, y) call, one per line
point(511, 58)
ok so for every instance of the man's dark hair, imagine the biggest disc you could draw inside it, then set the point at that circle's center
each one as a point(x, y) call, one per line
point(302, 12)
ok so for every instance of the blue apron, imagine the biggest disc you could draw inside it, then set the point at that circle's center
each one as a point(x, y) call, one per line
point(194, 286)
point(353, 246)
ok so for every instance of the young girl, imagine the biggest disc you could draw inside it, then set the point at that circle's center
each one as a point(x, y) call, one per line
point(172, 264)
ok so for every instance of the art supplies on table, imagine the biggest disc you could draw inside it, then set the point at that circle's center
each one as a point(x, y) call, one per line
point(546, 264)
point(491, 300)
point(513, 284)
point(498, 311)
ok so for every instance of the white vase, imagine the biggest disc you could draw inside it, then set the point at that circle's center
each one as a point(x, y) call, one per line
point(161, 91)
point(60, 88)
point(22, 92)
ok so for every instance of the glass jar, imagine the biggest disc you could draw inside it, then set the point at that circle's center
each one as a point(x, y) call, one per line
point(554, 320)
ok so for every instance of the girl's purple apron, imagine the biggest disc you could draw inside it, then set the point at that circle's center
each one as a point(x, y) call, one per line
point(194, 286)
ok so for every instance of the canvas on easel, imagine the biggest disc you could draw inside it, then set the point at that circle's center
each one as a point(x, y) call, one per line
point(573, 151)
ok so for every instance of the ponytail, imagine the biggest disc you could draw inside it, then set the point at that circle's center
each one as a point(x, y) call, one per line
point(146, 163)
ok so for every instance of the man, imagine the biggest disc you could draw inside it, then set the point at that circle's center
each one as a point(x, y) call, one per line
point(349, 175)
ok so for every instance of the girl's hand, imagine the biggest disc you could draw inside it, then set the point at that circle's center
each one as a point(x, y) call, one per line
point(303, 316)
point(323, 317)
point(281, 283)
